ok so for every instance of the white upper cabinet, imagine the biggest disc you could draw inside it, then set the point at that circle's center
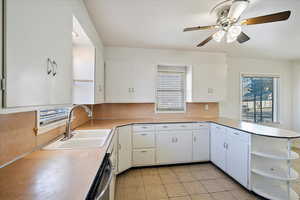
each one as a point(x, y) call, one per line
point(129, 82)
point(38, 32)
point(209, 83)
point(131, 74)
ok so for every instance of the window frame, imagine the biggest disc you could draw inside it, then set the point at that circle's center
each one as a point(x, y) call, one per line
point(184, 91)
point(276, 114)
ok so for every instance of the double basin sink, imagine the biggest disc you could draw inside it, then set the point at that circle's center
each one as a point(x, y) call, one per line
point(82, 139)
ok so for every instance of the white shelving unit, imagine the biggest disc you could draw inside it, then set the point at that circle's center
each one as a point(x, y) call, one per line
point(271, 168)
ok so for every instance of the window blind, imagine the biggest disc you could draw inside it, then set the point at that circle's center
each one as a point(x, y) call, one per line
point(170, 91)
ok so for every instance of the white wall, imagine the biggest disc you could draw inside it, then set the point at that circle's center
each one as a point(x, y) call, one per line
point(231, 107)
point(296, 96)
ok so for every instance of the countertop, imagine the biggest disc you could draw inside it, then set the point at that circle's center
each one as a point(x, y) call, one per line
point(68, 174)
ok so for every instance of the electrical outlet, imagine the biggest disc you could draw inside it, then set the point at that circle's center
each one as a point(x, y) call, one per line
point(210, 90)
point(206, 107)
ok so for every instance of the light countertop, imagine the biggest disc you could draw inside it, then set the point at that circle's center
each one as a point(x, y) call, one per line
point(68, 174)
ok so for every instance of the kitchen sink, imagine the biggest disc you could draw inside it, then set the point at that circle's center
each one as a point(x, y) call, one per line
point(82, 139)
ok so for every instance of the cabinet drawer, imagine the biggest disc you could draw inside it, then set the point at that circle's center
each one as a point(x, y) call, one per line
point(239, 135)
point(177, 126)
point(141, 157)
point(143, 127)
point(200, 126)
point(143, 140)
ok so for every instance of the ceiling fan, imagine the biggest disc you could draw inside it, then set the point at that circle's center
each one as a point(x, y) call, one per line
point(229, 23)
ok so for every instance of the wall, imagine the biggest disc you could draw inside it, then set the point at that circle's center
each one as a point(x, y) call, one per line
point(17, 133)
point(296, 96)
point(146, 110)
point(231, 107)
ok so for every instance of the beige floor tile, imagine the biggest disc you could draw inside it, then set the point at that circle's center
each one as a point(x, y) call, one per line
point(212, 186)
point(201, 197)
point(180, 169)
point(169, 178)
point(131, 193)
point(228, 184)
point(175, 190)
point(149, 171)
point(206, 175)
point(152, 180)
point(165, 170)
point(134, 172)
point(223, 196)
point(129, 181)
point(194, 188)
point(156, 192)
point(242, 194)
point(185, 177)
point(180, 198)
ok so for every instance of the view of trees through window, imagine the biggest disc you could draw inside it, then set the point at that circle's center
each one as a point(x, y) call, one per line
point(258, 99)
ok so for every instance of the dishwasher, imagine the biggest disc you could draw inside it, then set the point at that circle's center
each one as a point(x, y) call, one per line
point(100, 189)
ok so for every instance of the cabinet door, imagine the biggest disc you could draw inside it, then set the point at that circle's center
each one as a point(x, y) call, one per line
point(124, 148)
point(60, 23)
point(143, 81)
point(237, 158)
point(217, 148)
point(118, 82)
point(35, 31)
point(99, 77)
point(174, 146)
point(201, 147)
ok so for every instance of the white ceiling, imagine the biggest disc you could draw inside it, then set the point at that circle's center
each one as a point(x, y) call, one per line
point(159, 24)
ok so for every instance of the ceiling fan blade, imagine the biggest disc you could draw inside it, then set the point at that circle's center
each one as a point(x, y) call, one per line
point(205, 41)
point(281, 16)
point(237, 8)
point(196, 28)
point(243, 38)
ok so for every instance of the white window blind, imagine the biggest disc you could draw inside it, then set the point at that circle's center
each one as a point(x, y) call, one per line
point(170, 91)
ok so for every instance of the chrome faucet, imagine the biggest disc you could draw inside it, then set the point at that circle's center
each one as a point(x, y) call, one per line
point(68, 133)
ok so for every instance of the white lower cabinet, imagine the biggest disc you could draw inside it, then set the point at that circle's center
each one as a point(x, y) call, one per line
point(143, 157)
point(237, 156)
point(230, 152)
point(124, 148)
point(217, 146)
point(201, 143)
point(174, 147)
point(143, 140)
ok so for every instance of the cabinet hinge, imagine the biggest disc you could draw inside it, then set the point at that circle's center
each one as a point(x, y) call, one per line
point(3, 84)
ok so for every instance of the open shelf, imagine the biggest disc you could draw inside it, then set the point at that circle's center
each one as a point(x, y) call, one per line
point(278, 193)
point(279, 155)
point(278, 174)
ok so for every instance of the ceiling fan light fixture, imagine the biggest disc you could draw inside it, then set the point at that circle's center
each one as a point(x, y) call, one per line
point(237, 8)
point(235, 30)
point(218, 36)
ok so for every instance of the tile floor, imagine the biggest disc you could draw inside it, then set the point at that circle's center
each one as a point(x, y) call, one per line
point(179, 182)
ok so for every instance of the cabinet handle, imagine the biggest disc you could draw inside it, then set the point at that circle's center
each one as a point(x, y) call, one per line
point(119, 146)
point(144, 134)
point(236, 133)
point(224, 145)
point(176, 139)
point(129, 89)
point(195, 139)
point(144, 127)
point(49, 65)
point(165, 126)
point(54, 65)
point(133, 90)
point(143, 151)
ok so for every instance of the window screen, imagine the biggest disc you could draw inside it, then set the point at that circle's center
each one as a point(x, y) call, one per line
point(170, 91)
